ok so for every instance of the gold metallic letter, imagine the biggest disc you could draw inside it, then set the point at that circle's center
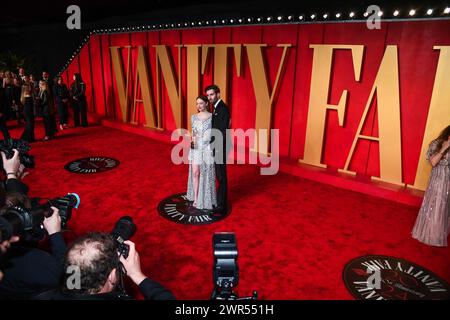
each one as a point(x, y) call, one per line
point(318, 99)
point(221, 68)
point(387, 88)
point(173, 86)
point(193, 80)
point(122, 85)
point(264, 97)
point(143, 80)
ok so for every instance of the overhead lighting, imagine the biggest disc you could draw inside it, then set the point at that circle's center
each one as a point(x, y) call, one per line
point(352, 14)
point(259, 19)
point(300, 17)
point(365, 14)
point(338, 15)
point(231, 21)
point(249, 19)
point(380, 13)
point(396, 12)
point(269, 18)
point(447, 10)
point(429, 12)
point(313, 16)
point(279, 18)
point(325, 16)
point(290, 18)
point(240, 20)
point(412, 12)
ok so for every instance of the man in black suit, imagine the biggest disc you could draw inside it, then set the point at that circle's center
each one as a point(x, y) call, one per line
point(220, 121)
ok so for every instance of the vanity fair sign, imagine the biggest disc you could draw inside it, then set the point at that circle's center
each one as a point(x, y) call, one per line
point(341, 95)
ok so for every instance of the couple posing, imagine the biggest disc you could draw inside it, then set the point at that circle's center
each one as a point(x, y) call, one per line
point(205, 161)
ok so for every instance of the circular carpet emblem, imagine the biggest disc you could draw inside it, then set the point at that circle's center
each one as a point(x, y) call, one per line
point(91, 165)
point(376, 277)
point(177, 208)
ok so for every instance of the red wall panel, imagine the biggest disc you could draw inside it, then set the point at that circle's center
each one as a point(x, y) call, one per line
point(97, 75)
point(418, 62)
point(85, 70)
point(338, 140)
point(307, 34)
point(200, 36)
point(107, 77)
point(169, 38)
point(282, 103)
point(121, 40)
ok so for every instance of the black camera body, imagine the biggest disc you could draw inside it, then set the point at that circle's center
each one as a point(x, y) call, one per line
point(22, 146)
point(19, 221)
point(225, 269)
point(123, 230)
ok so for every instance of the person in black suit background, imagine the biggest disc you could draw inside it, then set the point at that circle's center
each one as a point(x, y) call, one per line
point(26, 99)
point(79, 103)
point(3, 127)
point(62, 98)
point(46, 107)
point(220, 121)
point(49, 81)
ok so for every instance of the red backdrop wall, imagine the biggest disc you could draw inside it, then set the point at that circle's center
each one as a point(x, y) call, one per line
point(417, 67)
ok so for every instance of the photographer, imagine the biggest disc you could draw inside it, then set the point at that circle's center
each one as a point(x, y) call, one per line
point(96, 258)
point(14, 171)
point(28, 271)
point(4, 246)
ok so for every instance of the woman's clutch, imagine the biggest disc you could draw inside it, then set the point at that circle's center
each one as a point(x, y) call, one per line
point(193, 138)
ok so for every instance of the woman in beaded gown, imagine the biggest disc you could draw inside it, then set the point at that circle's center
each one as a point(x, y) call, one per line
point(201, 188)
point(433, 222)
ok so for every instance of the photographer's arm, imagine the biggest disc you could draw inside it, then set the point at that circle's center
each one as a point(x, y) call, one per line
point(151, 290)
point(14, 171)
point(53, 226)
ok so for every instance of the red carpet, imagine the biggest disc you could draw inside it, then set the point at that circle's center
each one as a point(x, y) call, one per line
point(294, 236)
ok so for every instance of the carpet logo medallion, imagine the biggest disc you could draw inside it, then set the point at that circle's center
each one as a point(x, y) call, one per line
point(376, 277)
point(178, 209)
point(91, 165)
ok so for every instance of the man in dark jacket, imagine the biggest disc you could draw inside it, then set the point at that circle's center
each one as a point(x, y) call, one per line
point(221, 121)
point(28, 271)
point(92, 272)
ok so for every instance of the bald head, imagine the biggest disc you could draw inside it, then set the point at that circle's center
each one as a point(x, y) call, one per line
point(95, 254)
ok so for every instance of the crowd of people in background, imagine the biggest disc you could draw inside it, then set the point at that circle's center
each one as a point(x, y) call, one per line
point(23, 98)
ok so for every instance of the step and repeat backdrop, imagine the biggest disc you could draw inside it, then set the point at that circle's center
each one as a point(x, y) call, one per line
point(364, 101)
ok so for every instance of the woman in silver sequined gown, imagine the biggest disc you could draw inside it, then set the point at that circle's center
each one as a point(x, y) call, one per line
point(433, 222)
point(201, 188)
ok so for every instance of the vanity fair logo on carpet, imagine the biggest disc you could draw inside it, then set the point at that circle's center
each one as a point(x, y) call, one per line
point(178, 209)
point(376, 277)
point(92, 165)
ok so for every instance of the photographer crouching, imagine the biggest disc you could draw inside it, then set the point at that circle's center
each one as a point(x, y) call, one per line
point(26, 270)
point(94, 268)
